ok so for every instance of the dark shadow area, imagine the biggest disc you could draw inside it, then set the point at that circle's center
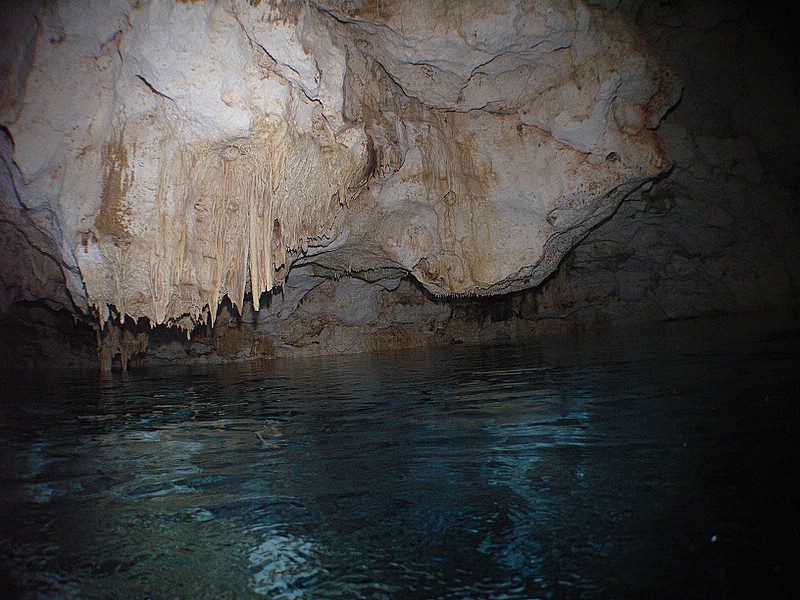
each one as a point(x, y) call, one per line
point(34, 336)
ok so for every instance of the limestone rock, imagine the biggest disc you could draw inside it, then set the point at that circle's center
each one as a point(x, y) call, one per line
point(184, 151)
point(721, 233)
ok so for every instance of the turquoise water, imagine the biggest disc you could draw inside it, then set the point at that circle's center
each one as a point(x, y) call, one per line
point(650, 464)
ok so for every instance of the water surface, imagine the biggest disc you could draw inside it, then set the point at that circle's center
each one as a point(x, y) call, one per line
point(650, 464)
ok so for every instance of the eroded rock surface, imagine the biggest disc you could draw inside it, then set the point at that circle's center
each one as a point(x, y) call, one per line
point(372, 166)
point(185, 151)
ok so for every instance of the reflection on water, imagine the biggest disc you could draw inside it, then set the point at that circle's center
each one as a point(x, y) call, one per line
point(654, 466)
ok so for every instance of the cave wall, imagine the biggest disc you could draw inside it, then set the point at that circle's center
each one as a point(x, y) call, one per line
point(720, 232)
point(359, 172)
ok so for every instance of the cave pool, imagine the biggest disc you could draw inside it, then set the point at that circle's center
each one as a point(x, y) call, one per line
point(649, 463)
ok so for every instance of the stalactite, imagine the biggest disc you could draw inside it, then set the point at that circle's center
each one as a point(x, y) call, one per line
point(241, 211)
point(210, 228)
point(115, 340)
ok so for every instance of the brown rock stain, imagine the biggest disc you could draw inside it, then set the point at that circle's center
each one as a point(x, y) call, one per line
point(117, 180)
point(373, 10)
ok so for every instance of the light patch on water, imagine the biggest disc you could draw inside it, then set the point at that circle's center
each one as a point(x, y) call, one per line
point(284, 566)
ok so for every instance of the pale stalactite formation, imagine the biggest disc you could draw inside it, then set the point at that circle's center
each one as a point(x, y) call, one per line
point(227, 218)
point(189, 151)
point(115, 341)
